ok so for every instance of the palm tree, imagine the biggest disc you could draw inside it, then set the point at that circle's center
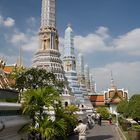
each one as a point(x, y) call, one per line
point(34, 102)
point(41, 96)
point(52, 130)
point(69, 116)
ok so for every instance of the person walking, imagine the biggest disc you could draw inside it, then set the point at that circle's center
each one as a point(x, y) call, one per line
point(100, 120)
point(81, 129)
point(110, 119)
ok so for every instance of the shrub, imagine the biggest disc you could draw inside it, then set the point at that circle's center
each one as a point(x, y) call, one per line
point(104, 112)
point(134, 107)
point(122, 108)
point(136, 126)
point(124, 123)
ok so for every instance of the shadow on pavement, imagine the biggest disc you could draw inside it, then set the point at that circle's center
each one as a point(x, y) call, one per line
point(101, 137)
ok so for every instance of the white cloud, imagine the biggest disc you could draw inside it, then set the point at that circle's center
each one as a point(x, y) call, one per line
point(100, 40)
point(129, 42)
point(32, 44)
point(32, 21)
point(125, 76)
point(90, 43)
point(103, 32)
point(97, 41)
point(8, 22)
point(8, 59)
point(18, 38)
point(1, 20)
point(28, 42)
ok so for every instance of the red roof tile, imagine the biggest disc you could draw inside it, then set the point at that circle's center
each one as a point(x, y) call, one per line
point(8, 69)
point(97, 98)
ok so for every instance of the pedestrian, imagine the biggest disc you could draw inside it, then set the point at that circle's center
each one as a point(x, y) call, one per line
point(100, 119)
point(90, 121)
point(81, 129)
point(110, 119)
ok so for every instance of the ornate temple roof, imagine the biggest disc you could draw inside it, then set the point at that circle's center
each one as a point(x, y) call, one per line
point(97, 98)
point(9, 69)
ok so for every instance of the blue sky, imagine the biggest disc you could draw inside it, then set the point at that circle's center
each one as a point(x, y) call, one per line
point(107, 32)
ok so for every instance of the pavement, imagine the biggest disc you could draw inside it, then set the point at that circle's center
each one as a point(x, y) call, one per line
point(103, 132)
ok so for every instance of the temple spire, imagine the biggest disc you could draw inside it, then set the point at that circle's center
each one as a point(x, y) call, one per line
point(48, 18)
point(112, 81)
point(69, 42)
point(80, 65)
point(48, 55)
point(69, 62)
point(19, 60)
point(87, 78)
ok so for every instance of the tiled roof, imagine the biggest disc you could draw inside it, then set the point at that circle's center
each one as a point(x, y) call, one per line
point(116, 100)
point(97, 98)
point(100, 104)
point(8, 69)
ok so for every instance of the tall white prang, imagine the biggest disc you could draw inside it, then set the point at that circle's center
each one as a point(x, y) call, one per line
point(69, 62)
point(48, 18)
point(48, 56)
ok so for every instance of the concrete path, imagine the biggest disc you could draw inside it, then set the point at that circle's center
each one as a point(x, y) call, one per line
point(104, 132)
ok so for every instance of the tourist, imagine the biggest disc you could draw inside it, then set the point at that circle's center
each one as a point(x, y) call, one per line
point(90, 121)
point(93, 117)
point(81, 129)
point(100, 120)
point(98, 117)
point(110, 119)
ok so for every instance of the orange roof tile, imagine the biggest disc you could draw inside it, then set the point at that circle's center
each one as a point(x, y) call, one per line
point(100, 104)
point(97, 98)
point(8, 69)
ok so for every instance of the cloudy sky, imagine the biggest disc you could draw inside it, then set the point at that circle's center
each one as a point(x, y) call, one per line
point(107, 32)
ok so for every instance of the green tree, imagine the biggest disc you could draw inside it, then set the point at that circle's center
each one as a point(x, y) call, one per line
point(122, 108)
point(69, 115)
point(35, 100)
point(43, 95)
point(65, 120)
point(104, 112)
point(34, 78)
point(52, 130)
point(134, 107)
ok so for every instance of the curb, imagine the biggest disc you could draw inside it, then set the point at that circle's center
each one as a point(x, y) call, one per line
point(121, 133)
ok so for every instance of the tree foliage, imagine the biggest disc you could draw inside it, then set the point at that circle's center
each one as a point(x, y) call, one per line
point(42, 95)
point(36, 78)
point(122, 108)
point(134, 107)
point(130, 108)
point(104, 112)
point(37, 104)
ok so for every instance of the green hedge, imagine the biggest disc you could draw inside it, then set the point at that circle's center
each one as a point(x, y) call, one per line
point(136, 126)
point(104, 112)
point(124, 123)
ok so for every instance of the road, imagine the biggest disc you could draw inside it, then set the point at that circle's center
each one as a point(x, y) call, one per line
point(104, 132)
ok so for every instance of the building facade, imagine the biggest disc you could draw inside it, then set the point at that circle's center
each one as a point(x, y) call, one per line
point(110, 98)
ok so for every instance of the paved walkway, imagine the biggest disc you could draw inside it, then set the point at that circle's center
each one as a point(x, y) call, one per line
point(104, 132)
